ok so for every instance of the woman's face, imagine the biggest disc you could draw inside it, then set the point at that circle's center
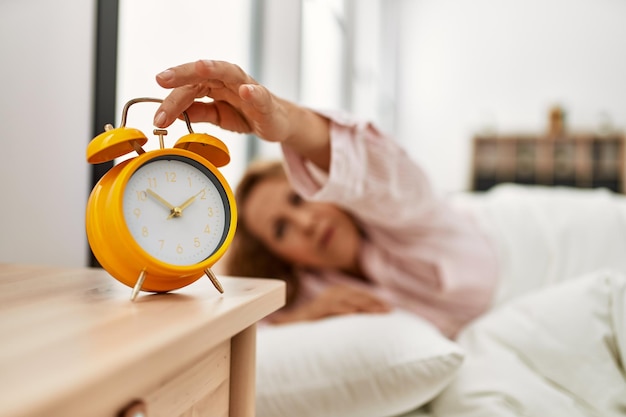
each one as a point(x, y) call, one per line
point(310, 234)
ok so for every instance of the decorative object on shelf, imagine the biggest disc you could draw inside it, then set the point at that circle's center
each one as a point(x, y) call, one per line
point(556, 122)
point(159, 221)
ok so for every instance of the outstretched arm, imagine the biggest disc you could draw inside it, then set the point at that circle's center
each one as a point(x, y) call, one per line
point(337, 300)
point(240, 104)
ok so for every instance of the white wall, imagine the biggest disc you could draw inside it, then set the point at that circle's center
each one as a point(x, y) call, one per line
point(323, 51)
point(278, 55)
point(462, 67)
point(470, 65)
point(46, 112)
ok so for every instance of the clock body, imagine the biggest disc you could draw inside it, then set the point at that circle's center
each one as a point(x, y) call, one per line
point(168, 213)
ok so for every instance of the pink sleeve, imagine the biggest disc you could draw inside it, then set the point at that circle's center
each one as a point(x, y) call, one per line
point(370, 175)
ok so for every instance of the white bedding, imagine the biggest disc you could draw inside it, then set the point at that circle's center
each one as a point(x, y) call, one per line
point(554, 344)
point(556, 351)
point(559, 352)
point(546, 235)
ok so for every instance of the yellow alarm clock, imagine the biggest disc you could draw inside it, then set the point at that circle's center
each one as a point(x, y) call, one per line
point(158, 221)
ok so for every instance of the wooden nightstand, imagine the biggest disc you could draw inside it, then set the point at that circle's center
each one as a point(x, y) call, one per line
point(72, 344)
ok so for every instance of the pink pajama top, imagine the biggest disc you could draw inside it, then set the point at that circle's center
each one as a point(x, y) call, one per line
point(419, 252)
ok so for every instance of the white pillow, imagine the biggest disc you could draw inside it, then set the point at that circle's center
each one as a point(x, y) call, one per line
point(364, 365)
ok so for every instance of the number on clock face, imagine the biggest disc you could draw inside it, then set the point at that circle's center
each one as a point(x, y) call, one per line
point(176, 210)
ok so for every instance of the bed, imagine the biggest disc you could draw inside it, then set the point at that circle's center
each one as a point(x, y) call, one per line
point(554, 343)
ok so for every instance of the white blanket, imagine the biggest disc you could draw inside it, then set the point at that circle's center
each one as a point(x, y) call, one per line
point(559, 352)
point(559, 348)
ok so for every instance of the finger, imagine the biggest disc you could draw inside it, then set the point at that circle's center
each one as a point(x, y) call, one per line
point(181, 98)
point(190, 81)
point(184, 74)
point(258, 97)
point(203, 71)
point(379, 306)
point(176, 102)
point(342, 309)
point(220, 114)
point(370, 308)
point(368, 302)
point(203, 112)
point(223, 71)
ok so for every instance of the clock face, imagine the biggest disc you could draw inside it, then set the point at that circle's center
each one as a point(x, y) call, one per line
point(176, 210)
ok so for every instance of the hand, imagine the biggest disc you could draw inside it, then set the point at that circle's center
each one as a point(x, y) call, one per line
point(160, 199)
point(334, 301)
point(342, 299)
point(239, 103)
point(178, 211)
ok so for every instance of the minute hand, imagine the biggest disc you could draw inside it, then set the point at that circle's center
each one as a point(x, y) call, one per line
point(178, 211)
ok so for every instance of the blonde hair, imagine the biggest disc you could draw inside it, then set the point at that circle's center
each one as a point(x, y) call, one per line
point(247, 255)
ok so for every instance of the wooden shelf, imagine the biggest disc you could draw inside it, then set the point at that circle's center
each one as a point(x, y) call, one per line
point(582, 160)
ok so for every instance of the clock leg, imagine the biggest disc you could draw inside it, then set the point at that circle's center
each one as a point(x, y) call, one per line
point(214, 280)
point(138, 285)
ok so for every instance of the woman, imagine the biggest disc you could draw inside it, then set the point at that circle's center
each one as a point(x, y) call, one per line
point(353, 220)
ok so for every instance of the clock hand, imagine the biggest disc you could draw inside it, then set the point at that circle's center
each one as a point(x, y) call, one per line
point(174, 211)
point(178, 211)
point(159, 199)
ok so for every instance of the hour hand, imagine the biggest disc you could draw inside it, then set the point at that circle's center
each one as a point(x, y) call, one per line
point(178, 211)
point(160, 199)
